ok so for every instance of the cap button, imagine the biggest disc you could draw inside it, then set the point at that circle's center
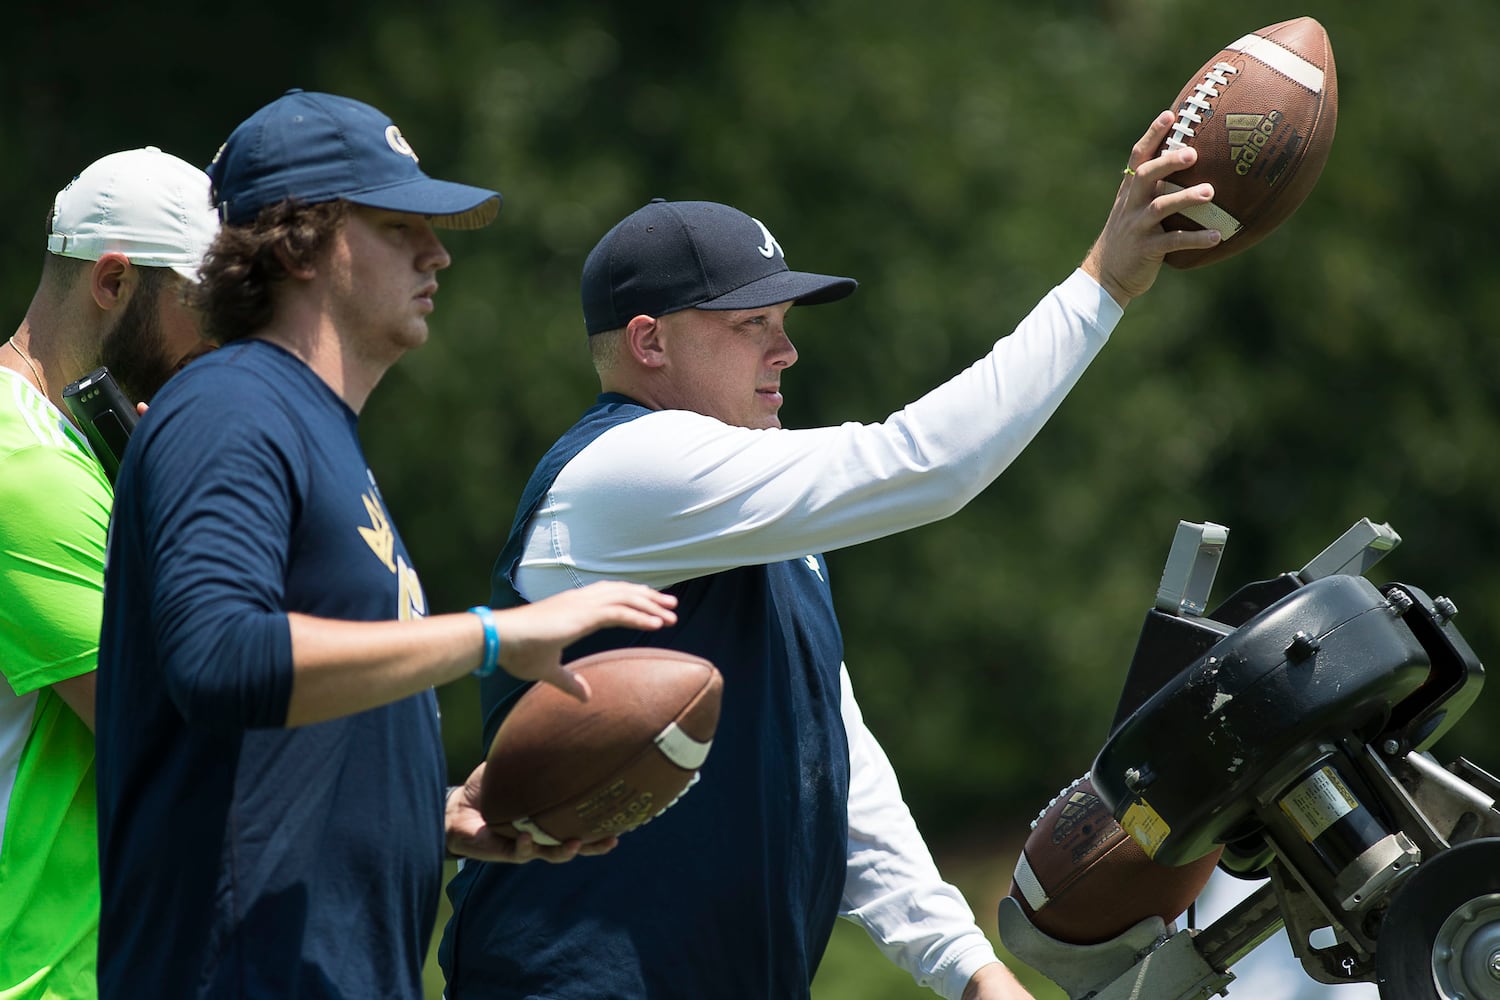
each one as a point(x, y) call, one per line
point(658, 201)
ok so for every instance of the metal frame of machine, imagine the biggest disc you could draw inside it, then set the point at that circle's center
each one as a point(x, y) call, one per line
point(1311, 702)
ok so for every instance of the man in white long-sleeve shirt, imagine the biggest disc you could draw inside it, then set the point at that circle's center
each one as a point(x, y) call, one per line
point(681, 477)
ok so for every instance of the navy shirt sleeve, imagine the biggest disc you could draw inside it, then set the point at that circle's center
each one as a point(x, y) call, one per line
point(218, 501)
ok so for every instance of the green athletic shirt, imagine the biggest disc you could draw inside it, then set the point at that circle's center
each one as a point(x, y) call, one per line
point(54, 511)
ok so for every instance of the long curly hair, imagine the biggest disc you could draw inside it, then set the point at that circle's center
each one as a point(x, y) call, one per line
point(242, 267)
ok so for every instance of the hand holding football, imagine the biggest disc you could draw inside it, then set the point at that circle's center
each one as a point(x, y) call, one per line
point(1261, 114)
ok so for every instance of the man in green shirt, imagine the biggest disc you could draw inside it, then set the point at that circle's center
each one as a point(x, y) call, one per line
point(124, 239)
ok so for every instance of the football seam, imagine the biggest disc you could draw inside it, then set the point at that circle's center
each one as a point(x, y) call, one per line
point(1280, 60)
point(1269, 53)
point(1100, 855)
point(1087, 775)
point(1211, 85)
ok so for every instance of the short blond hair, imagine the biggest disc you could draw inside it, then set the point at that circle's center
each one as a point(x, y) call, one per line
point(605, 349)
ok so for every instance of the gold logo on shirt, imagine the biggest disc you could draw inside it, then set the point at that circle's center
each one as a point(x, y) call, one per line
point(379, 536)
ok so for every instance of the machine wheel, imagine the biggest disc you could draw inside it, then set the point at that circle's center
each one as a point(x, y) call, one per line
point(1441, 937)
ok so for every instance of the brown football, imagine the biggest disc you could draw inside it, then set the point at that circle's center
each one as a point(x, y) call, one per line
point(1261, 114)
point(1082, 879)
point(560, 769)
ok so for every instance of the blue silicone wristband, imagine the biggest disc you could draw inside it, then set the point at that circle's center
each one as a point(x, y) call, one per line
point(491, 642)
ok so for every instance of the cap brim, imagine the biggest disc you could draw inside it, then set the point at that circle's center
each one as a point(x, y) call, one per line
point(449, 205)
point(801, 287)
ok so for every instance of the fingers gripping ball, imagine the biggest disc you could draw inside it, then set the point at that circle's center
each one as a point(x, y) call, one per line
point(1082, 879)
point(1261, 114)
point(561, 769)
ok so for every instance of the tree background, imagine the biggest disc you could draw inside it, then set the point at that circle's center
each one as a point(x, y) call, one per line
point(958, 158)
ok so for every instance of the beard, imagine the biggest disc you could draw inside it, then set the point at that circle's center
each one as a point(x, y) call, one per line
point(134, 351)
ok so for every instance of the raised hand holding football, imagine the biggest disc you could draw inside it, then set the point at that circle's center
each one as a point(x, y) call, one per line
point(1261, 115)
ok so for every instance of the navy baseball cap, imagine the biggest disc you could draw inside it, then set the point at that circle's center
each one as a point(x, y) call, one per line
point(672, 255)
point(321, 147)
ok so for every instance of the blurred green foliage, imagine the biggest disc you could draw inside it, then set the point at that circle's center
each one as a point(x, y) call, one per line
point(957, 158)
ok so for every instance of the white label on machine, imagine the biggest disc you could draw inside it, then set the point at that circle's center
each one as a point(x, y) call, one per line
point(1318, 802)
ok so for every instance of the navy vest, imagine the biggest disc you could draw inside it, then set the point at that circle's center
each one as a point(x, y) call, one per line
point(732, 892)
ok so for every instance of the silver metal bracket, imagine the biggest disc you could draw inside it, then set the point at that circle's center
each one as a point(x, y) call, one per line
point(1191, 566)
point(1353, 552)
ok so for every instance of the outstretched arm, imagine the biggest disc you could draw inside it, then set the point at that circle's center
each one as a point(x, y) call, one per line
point(342, 667)
point(730, 496)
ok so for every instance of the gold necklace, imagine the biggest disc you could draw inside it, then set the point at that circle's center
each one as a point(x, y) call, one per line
point(34, 373)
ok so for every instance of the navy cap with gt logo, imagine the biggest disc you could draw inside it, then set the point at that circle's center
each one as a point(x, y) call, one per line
point(315, 148)
point(672, 255)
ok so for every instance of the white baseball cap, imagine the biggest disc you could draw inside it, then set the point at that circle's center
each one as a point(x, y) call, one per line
point(148, 205)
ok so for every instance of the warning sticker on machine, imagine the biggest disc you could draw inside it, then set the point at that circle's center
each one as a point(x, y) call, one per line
point(1317, 802)
point(1146, 826)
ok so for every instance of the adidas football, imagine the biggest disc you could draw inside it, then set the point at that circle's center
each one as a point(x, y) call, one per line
point(560, 769)
point(1083, 880)
point(1261, 115)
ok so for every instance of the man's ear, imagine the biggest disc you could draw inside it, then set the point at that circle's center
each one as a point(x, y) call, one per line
point(645, 341)
point(112, 280)
point(293, 268)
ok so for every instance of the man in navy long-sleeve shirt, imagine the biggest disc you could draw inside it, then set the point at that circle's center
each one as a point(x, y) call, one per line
point(271, 778)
